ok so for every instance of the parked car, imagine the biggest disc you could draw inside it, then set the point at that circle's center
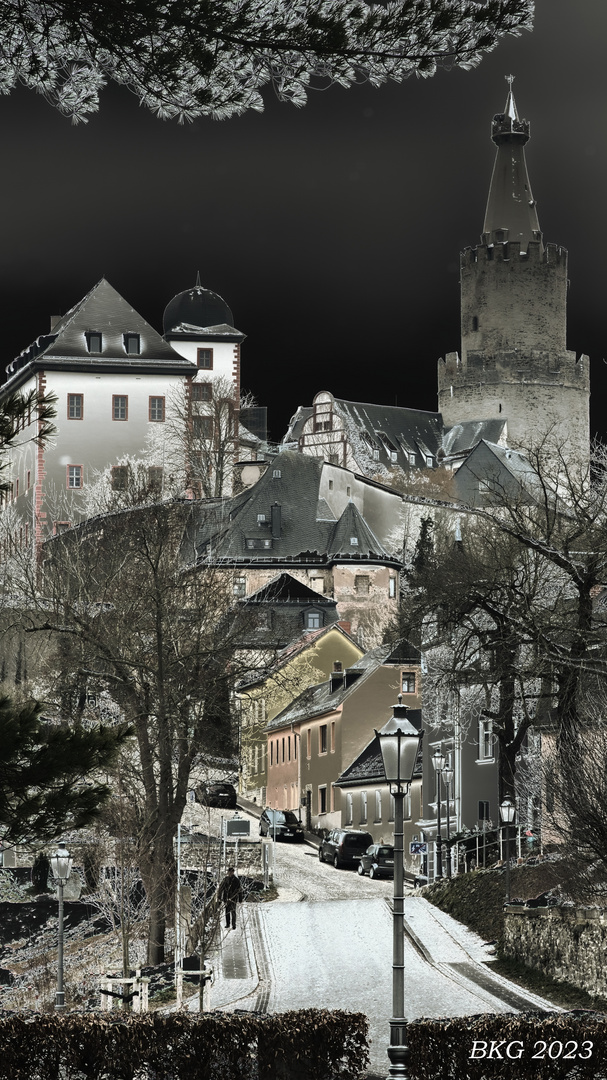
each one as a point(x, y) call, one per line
point(344, 847)
point(377, 861)
point(217, 794)
point(288, 827)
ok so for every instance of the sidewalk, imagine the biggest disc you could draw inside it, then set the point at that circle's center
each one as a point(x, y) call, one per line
point(462, 955)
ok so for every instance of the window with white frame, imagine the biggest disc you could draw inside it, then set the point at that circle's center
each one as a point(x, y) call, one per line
point(485, 739)
point(377, 806)
point(363, 808)
point(156, 409)
point(120, 407)
point(349, 808)
point(75, 406)
point(74, 476)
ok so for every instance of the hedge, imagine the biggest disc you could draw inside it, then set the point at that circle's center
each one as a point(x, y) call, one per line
point(536, 1046)
point(308, 1044)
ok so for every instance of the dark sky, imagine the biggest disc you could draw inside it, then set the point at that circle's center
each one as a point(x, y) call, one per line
point(333, 232)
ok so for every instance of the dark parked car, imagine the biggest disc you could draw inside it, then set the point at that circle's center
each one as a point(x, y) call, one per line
point(344, 847)
point(377, 861)
point(217, 794)
point(287, 825)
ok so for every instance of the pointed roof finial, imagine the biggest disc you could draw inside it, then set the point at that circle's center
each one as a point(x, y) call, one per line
point(198, 281)
point(510, 109)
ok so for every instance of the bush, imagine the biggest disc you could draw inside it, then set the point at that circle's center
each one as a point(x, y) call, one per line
point(541, 1045)
point(309, 1044)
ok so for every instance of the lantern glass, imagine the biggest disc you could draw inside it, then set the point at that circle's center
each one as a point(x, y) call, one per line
point(399, 743)
point(448, 775)
point(61, 864)
point(438, 761)
point(507, 811)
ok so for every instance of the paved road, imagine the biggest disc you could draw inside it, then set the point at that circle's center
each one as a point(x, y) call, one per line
point(338, 955)
point(328, 944)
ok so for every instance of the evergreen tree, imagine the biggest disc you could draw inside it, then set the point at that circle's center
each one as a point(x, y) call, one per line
point(47, 773)
point(188, 58)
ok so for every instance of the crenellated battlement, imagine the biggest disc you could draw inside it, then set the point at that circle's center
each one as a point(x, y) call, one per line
point(503, 251)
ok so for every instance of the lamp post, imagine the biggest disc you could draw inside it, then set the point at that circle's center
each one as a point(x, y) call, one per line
point(448, 778)
point(439, 764)
point(61, 865)
point(507, 813)
point(399, 743)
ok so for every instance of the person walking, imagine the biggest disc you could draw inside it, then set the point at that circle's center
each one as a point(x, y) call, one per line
point(230, 891)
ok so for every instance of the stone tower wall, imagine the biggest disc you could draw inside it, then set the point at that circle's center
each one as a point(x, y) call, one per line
point(514, 360)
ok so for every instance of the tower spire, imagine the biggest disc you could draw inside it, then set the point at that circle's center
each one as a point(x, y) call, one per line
point(511, 214)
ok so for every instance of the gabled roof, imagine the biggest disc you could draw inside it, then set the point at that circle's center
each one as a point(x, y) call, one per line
point(462, 438)
point(498, 469)
point(352, 536)
point(388, 436)
point(105, 311)
point(245, 529)
point(322, 698)
point(384, 428)
point(285, 589)
point(293, 649)
point(368, 766)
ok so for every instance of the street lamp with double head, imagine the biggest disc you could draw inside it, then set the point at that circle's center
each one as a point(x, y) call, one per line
point(399, 743)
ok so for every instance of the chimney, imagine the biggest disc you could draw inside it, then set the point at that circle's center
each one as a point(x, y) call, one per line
point(276, 523)
point(345, 625)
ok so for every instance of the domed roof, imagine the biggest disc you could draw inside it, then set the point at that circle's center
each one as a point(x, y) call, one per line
point(196, 307)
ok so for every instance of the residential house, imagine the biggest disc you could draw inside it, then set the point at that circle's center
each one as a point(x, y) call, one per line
point(313, 654)
point(368, 804)
point(337, 532)
point(113, 377)
point(329, 726)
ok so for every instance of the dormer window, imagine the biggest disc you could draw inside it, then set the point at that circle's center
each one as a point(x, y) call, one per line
point(132, 344)
point(94, 341)
point(312, 620)
point(429, 461)
point(411, 459)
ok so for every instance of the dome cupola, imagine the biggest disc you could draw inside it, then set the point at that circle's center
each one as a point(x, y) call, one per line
point(197, 307)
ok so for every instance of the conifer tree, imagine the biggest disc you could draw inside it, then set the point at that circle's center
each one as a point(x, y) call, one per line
point(47, 773)
point(188, 58)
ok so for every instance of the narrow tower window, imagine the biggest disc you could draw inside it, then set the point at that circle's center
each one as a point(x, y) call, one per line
point(475, 322)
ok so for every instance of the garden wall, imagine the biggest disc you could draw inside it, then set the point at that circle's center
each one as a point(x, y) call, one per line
point(568, 943)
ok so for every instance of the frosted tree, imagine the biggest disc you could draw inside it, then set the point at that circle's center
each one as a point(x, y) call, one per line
point(189, 58)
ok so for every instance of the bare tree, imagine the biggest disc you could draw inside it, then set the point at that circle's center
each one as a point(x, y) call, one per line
point(163, 644)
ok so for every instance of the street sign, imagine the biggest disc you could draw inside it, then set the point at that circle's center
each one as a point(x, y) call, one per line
point(418, 847)
point(237, 827)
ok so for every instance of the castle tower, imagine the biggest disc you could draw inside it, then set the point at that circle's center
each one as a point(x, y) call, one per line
point(514, 362)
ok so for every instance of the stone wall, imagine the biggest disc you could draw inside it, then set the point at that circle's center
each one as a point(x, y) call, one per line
point(567, 943)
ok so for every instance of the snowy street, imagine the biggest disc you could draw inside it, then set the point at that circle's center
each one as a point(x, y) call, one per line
point(327, 943)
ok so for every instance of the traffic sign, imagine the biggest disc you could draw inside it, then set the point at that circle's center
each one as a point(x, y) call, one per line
point(418, 847)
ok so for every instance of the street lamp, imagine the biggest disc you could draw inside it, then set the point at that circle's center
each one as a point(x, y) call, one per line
point(507, 813)
point(61, 865)
point(439, 764)
point(448, 778)
point(399, 743)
